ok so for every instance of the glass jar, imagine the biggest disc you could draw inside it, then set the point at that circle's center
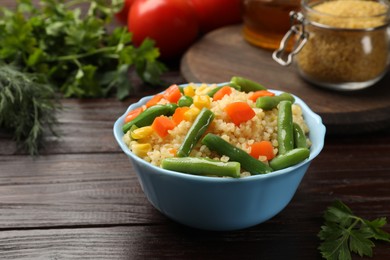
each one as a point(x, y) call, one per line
point(339, 44)
point(266, 21)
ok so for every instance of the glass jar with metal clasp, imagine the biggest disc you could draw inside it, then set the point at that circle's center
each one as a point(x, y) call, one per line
point(342, 45)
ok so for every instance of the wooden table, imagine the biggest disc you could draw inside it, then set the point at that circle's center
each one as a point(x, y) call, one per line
point(80, 198)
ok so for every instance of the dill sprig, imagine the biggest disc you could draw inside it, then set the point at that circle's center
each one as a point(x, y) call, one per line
point(27, 107)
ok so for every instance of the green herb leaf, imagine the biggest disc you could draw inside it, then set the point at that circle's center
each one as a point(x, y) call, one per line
point(360, 243)
point(344, 232)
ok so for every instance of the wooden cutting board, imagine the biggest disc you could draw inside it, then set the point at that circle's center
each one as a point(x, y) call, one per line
point(223, 53)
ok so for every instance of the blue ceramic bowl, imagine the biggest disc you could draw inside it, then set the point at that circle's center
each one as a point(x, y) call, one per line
point(222, 204)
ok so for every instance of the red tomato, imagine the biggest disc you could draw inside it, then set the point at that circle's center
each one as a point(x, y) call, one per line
point(122, 14)
point(212, 14)
point(171, 24)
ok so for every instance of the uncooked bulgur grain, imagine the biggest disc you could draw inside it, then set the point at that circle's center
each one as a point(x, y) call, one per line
point(345, 52)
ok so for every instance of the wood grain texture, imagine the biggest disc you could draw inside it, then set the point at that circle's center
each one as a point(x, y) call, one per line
point(102, 188)
point(170, 241)
point(223, 53)
point(71, 190)
point(156, 242)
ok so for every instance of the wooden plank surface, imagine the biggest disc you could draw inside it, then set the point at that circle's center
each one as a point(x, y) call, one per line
point(155, 242)
point(224, 53)
point(275, 240)
point(71, 190)
point(101, 188)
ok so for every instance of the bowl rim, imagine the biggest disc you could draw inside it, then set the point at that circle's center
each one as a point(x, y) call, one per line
point(118, 134)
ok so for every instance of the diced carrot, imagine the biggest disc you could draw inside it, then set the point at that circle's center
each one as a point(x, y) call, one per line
point(262, 148)
point(178, 116)
point(133, 114)
point(261, 93)
point(154, 100)
point(172, 94)
point(226, 90)
point(239, 112)
point(161, 125)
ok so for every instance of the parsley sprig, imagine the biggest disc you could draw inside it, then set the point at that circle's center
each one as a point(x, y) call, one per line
point(343, 233)
point(71, 47)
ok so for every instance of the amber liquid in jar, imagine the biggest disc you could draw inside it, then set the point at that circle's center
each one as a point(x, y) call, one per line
point(267, 21)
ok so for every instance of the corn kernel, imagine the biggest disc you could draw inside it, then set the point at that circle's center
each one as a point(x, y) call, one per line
point(191, 114)
point(141, 150)
point(202, 90)
point(202, 101)
point(142, 132)
point(189, 91)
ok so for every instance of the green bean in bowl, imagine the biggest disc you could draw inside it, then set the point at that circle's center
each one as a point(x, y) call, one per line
point(231, 130)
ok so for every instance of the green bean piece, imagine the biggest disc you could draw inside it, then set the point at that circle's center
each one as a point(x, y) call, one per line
point(246, 84)
point(222, 147)
point(212, 92)
point(290, 158)
point(268, 103)
point(197, 129)
point(285, 127)
point(185, 101)
point(299, 137)
point(202, 166)
point(148, 115)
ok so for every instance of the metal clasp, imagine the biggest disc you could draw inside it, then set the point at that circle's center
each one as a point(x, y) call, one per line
point(297, 21)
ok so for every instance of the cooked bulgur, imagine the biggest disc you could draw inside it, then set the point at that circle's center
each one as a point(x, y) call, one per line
point(263, 126)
